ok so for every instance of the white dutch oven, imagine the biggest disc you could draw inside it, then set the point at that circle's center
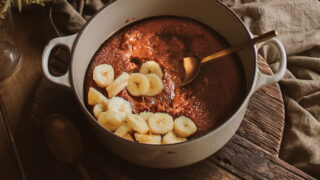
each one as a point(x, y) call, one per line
point(112, 18)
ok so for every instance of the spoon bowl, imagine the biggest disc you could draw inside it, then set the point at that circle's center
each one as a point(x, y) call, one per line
point(64, 141)
point(192, 65)
point(192, 68)
point(63, 138)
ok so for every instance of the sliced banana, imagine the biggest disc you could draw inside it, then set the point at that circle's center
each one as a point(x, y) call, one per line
point(118, 104)
point(138, 84)
point(155, 86)
point(146, 115)
point(118, 84)
point(184, 126)
point(103, 75)
point(111, 120)
point(151, 67)
point(123, 130)
point(99, 108)
point(172, 138)
point(95, 97)
point(137, 123)
point(148, 139)
point(160, 123)
point(128, 137)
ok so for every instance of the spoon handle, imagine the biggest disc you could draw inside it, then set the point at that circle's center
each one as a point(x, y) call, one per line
point(83, 170)
point(243, 45)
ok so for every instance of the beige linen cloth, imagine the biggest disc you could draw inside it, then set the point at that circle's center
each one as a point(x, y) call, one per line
point(298, 24)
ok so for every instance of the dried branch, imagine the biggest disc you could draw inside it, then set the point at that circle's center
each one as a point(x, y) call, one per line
point(5, 4)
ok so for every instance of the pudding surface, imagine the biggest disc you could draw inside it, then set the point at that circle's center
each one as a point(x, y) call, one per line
point(209, 100)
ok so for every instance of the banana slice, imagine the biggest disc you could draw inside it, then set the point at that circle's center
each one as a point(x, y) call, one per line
point(95, 97)
point(151, 67)
point(184, 126)
point(128, 137)
point(99, 108)
point(137, 123)
point(118, 84)
point(155, 86)
point(146, 115)
point(111, 120)
point(172, 138)
point(138, 84)
point(123, 130)
point(103, 75)
point(118, 104)
point(160, 123)
point(148, 139)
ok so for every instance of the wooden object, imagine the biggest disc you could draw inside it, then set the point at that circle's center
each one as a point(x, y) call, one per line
point(29, 98)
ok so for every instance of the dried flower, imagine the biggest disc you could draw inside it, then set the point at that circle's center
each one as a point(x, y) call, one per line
point(5, 4)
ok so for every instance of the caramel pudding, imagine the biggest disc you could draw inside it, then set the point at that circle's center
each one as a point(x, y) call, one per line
point(208, 101)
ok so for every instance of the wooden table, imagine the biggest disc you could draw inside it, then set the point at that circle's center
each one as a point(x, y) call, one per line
point(252, 153)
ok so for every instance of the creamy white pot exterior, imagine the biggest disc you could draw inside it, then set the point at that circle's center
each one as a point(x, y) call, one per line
point(112, 18)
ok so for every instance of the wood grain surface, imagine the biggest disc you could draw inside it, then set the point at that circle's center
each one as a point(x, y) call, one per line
point(17, 93)
point(252, 153)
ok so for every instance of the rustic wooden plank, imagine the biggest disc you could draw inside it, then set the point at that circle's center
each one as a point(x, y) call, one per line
point(272, 91)
point(250, 162)
point(107, 165)
point(263, 123)
point(202, 170)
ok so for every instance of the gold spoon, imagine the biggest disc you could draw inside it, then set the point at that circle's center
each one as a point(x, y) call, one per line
point(64, 141)
point(192, 65)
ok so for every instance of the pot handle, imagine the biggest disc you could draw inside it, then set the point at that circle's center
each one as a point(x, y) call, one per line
point(64, 41)
point(263, 79)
